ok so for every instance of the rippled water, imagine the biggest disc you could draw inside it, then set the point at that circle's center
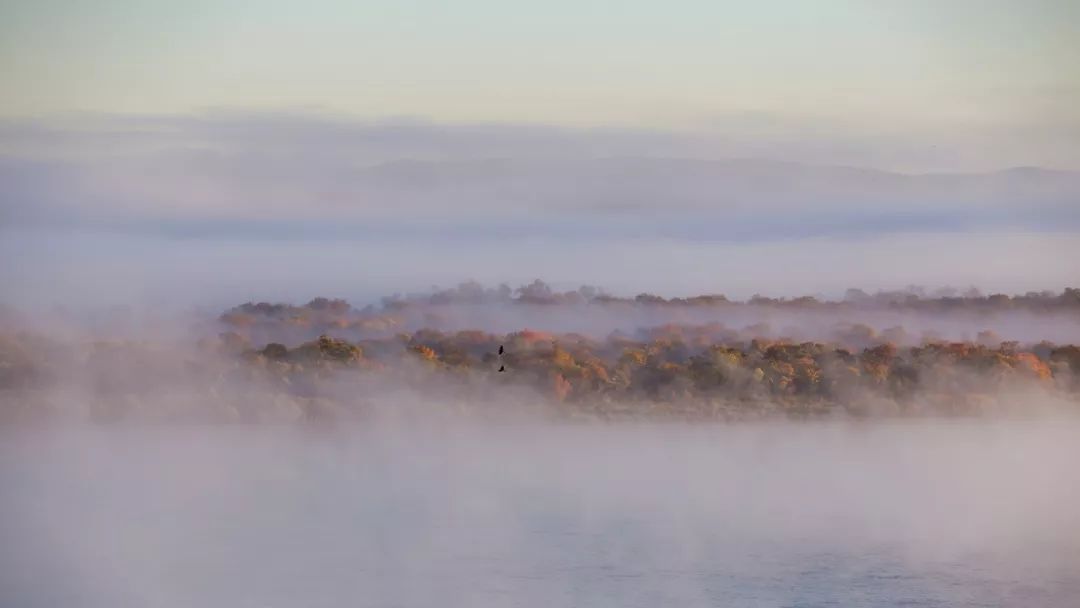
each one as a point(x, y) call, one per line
point(915, 514)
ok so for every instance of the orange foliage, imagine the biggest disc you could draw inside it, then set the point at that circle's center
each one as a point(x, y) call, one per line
point(1031, 364)
point(560, 387)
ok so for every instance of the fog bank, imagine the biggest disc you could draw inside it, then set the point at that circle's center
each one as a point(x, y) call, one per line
point(103, 269)
point(937, 514)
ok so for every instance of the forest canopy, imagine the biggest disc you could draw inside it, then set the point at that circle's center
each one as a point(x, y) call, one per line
point(328, 360)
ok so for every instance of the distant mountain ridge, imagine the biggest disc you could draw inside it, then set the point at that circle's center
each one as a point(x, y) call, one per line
point(758, 191)
point(736, 187)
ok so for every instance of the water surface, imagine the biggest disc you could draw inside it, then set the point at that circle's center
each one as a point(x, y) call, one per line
point(938, 513)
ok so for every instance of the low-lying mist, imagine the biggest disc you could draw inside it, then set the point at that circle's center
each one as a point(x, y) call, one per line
point(100, 267)
point(930, 513)
point(209, 399)
point(429, 451)
point(496, 351)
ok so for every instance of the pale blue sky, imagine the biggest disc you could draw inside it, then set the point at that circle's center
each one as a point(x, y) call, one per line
point(888, 65)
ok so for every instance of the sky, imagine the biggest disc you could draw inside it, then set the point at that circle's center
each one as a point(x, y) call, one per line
point(964, 64)
point(679, 147)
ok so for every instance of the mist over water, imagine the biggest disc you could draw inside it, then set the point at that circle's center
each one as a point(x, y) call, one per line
point(927, 513)
point(400, 305)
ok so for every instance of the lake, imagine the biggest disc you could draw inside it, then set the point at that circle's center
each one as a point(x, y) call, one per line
point(912, 513)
